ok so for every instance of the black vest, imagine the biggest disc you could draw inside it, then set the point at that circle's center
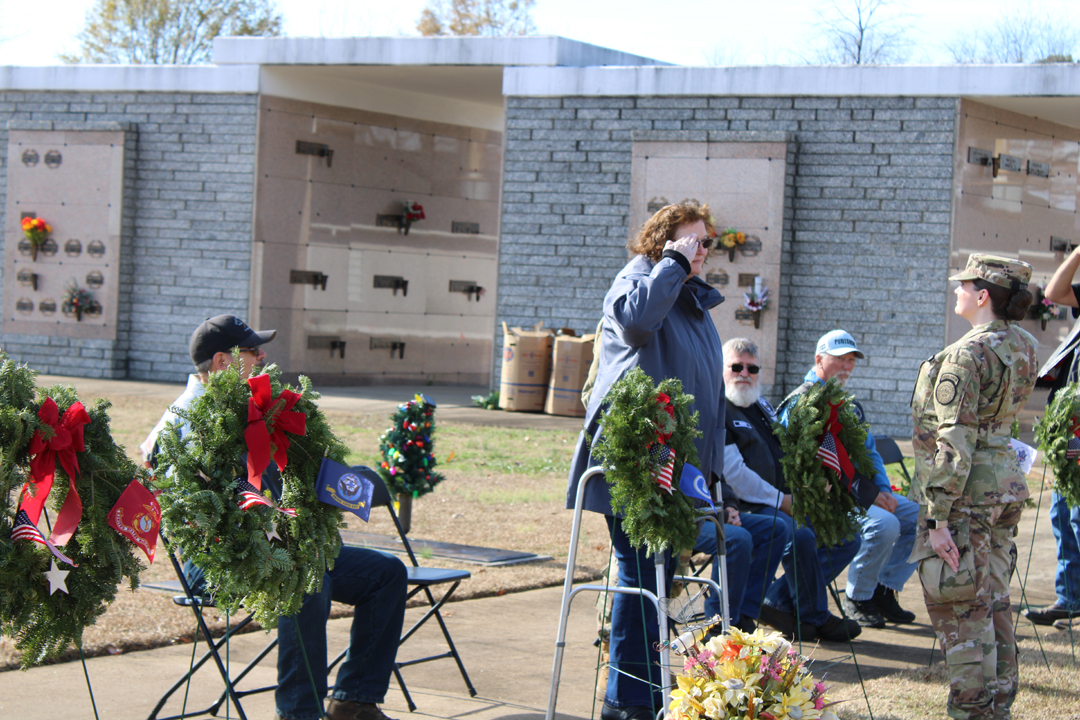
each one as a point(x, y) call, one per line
point(751, 430)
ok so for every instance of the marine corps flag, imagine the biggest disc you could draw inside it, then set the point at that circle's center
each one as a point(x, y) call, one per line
point(137, 516)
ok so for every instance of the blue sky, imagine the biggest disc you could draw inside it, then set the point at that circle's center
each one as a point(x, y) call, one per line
point(689, 32)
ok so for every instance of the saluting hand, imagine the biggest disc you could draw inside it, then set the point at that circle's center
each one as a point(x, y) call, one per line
point(687, 246)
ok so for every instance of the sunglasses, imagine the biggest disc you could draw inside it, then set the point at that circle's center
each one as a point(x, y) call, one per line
point(707, 242)
point(252, 350)
point(738, 368)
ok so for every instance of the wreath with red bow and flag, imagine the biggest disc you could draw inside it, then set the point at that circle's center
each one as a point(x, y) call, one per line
point(61, 471)
point(1057, 434)
point(263, 539)
point(648, 435)
point(823, 445)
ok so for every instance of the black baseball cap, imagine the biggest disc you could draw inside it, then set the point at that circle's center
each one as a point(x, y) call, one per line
point(221, 334)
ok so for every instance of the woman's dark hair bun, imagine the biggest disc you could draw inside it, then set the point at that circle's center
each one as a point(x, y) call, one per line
point(1007, 304)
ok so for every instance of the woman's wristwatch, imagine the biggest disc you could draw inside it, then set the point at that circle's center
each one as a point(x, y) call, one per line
point(931, 524)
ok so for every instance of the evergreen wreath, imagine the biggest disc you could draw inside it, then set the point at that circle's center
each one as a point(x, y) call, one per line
point(818, 497)
point(408, 449)
point(44, 624)
point(260, 558)
point(1058, 436)
point(640, 417)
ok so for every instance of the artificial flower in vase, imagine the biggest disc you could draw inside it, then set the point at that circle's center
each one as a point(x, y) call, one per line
point(411, 213)
point(731, 239)
point(37, 232)
point(1045, 309)
point(76, 301)
point(756, 301)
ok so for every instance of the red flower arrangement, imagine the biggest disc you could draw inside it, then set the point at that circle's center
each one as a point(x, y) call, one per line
point(36, 231)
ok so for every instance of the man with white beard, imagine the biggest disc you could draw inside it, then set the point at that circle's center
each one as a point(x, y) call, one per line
point(878, 572)
point(761, 529)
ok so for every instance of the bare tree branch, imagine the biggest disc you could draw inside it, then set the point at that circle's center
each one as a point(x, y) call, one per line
point(863, 32)
point(1026, 34)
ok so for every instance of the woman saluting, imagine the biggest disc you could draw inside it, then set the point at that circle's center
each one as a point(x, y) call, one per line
point(970, 486)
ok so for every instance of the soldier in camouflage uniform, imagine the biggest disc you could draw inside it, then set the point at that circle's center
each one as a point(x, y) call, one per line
point(969, 484)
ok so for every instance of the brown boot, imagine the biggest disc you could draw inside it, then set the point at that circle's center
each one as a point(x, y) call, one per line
point(349, 710)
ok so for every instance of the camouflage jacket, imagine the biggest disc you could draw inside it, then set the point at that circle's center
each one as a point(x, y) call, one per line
point(963, 406)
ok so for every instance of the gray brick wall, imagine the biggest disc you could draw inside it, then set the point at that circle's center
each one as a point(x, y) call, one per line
point(870, 221)
point(188, 224)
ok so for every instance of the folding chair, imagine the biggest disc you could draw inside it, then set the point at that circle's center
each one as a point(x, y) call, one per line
point(890, 454)
point(420, 579)
point(197, 603)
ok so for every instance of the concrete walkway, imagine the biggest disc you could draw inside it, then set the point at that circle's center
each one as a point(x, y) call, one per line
point(506, 642)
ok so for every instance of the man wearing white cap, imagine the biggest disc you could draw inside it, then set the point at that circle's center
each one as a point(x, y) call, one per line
point(881, 567)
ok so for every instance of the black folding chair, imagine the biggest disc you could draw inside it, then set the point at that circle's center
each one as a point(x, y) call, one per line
point(197, 603)
point(890, 454)
point(420, 579)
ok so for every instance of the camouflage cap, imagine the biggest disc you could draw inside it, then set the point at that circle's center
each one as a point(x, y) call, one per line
point(996, 269)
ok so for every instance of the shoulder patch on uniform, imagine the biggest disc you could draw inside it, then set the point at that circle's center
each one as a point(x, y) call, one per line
point(945, 392)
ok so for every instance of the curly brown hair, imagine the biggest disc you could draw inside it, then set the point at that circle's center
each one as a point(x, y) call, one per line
point(660, 228)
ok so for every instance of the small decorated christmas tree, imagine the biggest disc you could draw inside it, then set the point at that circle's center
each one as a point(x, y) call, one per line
point(408, 449)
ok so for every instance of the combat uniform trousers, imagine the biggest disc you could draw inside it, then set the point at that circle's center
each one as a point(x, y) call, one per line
point(970, 611)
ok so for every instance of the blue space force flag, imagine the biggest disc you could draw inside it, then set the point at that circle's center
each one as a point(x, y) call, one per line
point(345, 488)
point(693, 484)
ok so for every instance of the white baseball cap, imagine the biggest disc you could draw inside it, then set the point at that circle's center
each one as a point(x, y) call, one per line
point(838, 342)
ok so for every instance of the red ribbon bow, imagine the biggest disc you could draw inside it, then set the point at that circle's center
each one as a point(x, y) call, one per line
point(262, 443)
point(67, 440)
point(833, 427)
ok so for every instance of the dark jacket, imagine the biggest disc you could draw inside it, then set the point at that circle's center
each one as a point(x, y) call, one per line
point(657, 320)
point(1065, 355)
point(758, 446)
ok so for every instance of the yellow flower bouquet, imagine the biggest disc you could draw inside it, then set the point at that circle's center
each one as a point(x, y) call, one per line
point(731, 239)
point(748, 675)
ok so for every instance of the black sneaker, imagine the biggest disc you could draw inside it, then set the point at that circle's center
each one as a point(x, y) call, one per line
point(837, 629)
point(786, 623)
point(864, 612)
point(889, 606)
point(1050, 613)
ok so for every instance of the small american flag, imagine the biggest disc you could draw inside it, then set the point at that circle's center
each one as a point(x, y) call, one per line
point(827, 453)
point(1073, 451)
point(26, 530)
point(663, 460)
point(250, 496)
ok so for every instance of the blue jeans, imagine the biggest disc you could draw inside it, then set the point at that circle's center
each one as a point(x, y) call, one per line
point(634, 661)
point(887, 540)
point(753, 555)
point(1065, 522)
point(816, 568)
point(372, 582)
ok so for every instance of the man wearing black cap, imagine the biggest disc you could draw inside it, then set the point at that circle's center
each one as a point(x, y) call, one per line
point(374, 583)
point(211, 349)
